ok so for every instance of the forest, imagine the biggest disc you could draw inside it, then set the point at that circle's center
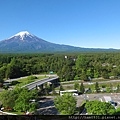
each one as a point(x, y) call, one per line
point(68, 66)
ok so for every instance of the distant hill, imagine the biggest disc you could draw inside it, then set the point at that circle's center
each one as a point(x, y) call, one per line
point(24, 42)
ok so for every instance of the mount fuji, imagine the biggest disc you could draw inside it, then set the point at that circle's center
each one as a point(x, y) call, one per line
point(24, 42)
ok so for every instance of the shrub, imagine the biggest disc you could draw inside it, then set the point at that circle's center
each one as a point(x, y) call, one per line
point(1, 84)
point(31, 77)
point(14, 82)
point(5, 87)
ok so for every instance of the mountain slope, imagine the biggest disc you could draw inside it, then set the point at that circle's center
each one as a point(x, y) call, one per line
point(24, 42)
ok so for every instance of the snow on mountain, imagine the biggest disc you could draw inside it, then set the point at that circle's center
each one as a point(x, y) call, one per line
point(22, 35)
point(24, 42)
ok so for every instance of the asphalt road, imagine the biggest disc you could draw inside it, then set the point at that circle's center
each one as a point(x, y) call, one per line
point(10, 80)
point(39, 82)
point(85, 83)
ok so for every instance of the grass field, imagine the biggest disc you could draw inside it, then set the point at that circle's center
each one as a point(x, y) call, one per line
point(25, 81)
point(16, 112)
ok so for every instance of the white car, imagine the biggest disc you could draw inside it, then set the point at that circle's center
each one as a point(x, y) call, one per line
point(75, 94)
point(90, 83)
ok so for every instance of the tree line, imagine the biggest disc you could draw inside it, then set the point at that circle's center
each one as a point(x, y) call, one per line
point(84, 66)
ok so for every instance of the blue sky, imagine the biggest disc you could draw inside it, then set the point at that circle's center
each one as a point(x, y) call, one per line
point(82, 23)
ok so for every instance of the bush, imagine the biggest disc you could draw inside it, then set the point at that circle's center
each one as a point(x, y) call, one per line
point(76, 77)
point(14, 82)
point(31, 77)
point(5, 87)
point(1, 84)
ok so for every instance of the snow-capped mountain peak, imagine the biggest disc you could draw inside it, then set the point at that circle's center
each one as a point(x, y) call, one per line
point(22, 34)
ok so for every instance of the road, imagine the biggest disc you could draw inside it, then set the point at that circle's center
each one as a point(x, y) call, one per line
point(10, 80)
point(85, 83)
point(32, 85)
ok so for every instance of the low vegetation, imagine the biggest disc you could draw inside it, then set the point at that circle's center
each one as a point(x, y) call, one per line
point(80, 66)
point(28, 80)
point(77, 66)
point(99, 108)
point(65, 104)
point(19, 100)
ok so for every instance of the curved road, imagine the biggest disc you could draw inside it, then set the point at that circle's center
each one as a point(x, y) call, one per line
point(32, 85)
point(10, 80)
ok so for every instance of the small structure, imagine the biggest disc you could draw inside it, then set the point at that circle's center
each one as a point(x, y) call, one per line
point(74, 92)
point(2, 108)
point(51, 72)
point(65, 57)
point(107, 98)
point(101, 99)
point(27, 113)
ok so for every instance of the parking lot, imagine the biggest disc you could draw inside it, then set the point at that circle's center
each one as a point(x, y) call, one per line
point(101, 97)
point(47, 103)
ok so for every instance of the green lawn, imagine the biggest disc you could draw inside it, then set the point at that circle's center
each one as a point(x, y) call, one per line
point(15, 112)
point(25, 81)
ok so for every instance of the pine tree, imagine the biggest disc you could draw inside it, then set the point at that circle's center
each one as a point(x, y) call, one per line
point(82, 89)
point(118, 88)
point(61, 88)
point(76, 85)
point(53, 89)
point(97, 87)
point(46, 89)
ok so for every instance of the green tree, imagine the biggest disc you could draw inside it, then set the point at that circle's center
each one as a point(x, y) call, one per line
point(111, 87)
point(117, 112)
point(76, 85)
point(105, 75)
point(108, 89)
point(99, 108)
point(81, 61)
point(66, 73)
point(14, 69)
point(97, 87)
point(76, 77)
point(31, 77)
point(1, 84)
point(89, 90)
point(23, 102)
point(82, 89)
point(41, 87)
point(115, 72)
point(118, 88)
point(46, 89)
point(2, 73)
point(96, 74)
point(7, 98)
point(53, 89)
point(65, 104)
point(84, 76)
point(90, 72)
point(61, 87)
point(19, 99)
